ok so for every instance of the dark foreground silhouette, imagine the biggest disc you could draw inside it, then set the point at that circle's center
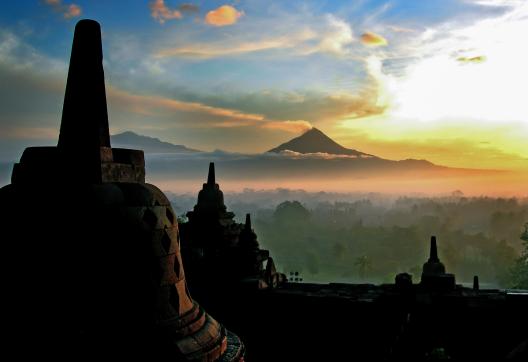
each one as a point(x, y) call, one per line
point(434, 319)
point(91, 249)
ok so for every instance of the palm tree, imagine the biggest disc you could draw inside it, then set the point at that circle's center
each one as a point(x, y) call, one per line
point(364, 265)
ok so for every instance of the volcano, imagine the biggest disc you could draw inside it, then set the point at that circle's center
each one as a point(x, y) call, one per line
point(315, 141)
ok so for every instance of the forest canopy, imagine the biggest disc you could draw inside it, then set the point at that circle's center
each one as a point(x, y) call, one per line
point(369, 238)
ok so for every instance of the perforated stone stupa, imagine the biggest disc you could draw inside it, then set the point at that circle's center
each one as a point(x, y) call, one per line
point(93, 249)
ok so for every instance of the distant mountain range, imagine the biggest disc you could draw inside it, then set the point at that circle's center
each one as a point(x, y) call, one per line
point(313, 145)
point(311, 160)
point(315, 141)
point(133, 140)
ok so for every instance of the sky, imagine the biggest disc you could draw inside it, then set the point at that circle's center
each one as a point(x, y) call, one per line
point(442, 80)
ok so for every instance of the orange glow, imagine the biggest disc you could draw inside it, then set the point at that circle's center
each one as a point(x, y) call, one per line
point(506, 184)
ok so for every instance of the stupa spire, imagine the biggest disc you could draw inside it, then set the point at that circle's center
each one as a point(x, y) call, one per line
point(476, 282)
point(84, 115)
point(211, 175)
point(434, 274)
point(433, 253)
point(247, 226)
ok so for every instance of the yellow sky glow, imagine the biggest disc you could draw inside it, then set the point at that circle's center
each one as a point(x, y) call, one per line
point(470, 113)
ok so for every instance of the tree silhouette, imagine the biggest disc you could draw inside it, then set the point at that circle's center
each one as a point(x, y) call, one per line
point(364, 265)
point(291, 211)
point(519, 271)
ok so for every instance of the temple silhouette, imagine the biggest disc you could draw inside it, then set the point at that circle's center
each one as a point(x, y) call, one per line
point(220, 253)
point(93, 269)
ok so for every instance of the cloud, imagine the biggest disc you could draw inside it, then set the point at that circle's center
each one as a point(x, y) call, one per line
point(16, 55)
point(289, 126)
point(400, 29)
point(336, 38)
point(316, 155)
point(319, 108)
point(68, 11)
point(72, 11)
point(496, 3)
point(162, 13)
point(435, 85)
point(210, 116)
point(30, 133)
point(476, 59)
point(329, 35)
point(372, 39)
point(223, 16)
point(150, 105)
point(221, 49)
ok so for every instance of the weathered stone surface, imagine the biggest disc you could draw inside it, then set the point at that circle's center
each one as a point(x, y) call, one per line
point(101, 271)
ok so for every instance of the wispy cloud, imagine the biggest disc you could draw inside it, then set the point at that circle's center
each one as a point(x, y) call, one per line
point(222, 49)
point(150, 105)
point(212, 116)
point(289, 126)
point(68, 11)
point(497, 3)
point(16, 55)
point(223, 16)
point(400, 29)
point(336, 37)
point(30, 133)
point(162, 13)
point(320, 108)
point(331, 35)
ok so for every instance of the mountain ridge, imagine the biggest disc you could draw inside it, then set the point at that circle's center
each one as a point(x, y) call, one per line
point(129, 139)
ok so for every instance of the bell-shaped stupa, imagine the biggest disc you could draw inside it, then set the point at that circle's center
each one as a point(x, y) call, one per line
point(94, 250)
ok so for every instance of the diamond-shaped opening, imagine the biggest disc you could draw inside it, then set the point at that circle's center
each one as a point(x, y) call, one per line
point(166, 242)
point(149, 217)
point(170, 215)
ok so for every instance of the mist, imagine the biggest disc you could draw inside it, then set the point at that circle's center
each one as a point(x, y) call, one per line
point(371, 237)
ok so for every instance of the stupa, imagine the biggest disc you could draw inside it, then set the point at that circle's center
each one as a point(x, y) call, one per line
point(220, 252)
point(93, 249)
point(434, 275)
